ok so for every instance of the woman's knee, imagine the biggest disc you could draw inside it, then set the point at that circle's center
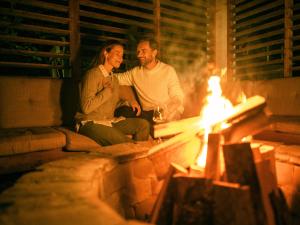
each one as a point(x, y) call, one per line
point(104, 135)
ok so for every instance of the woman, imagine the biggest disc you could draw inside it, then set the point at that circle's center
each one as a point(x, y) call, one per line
point(99, 96)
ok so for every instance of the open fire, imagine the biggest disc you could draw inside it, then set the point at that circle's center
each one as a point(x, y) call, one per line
point(247, 180)
point(216, 108)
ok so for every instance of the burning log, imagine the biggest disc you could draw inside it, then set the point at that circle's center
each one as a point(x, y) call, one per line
point(176, 127)
point(251, 106)
point(250, 125)
point(176, 140)
point(241, 112)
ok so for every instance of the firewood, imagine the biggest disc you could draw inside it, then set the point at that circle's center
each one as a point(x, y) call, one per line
point(267, 152)
point(268, 185)
point(196, 171)
point(176, 127)
point(179, 168)
point(251, 106)
point(281, 210)
point(232, 204)
point(240, 168)
point(212, 166)
point(177, 140)
point(193, 198)
point(250, 125)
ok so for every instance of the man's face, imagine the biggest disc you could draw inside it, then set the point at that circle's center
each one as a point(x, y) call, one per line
point(145, 53)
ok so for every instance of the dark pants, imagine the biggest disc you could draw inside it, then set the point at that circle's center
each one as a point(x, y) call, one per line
point(105, 135)
point(127, 112)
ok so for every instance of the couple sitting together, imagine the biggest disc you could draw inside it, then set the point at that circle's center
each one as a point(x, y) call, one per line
point(155, 83)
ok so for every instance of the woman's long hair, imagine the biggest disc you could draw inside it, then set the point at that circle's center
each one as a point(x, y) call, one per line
point(99, 59)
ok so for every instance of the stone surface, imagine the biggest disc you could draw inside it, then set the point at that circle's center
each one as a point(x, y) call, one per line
point(70, 191)
point(92, 189)
point(144, 208)
point(284, 173)
point(142, 168)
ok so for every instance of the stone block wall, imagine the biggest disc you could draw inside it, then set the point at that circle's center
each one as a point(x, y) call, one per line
point(288, 177)
point(110, 188)
point(131, 188)
point(62, 192)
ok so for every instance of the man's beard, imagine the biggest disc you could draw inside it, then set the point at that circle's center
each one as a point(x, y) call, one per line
point(146, 61)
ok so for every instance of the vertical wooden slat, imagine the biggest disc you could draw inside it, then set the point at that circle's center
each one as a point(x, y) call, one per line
point(288, 35)
point(211, 28)
point(74, 38)
point(157, 22)
point(230, 74)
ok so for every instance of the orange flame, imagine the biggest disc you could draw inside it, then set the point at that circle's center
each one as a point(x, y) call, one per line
point(216, 108)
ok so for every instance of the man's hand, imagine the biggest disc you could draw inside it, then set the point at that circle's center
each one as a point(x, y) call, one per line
point(135, 106)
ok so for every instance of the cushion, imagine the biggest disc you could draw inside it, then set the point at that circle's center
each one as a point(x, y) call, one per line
point(78, 142)
point(30, 102)
point(24, 140)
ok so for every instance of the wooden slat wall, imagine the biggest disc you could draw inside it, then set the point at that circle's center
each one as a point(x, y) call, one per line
point(296, 38)
point(51, 37)
point(125, 21)
point(257, 38)
point(184, 32)
point(34, 38)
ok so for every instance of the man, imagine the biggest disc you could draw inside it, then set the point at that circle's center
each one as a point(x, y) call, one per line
point(156, 83)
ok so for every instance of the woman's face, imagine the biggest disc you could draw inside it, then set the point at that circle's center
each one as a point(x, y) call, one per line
point(115, 56)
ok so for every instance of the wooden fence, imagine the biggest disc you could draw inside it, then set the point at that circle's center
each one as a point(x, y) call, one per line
point(58, 38)
point(264, 38)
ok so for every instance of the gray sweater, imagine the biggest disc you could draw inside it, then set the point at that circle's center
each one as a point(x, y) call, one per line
point(96, 102)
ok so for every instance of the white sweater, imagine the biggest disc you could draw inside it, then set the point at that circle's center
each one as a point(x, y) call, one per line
point(155, 87)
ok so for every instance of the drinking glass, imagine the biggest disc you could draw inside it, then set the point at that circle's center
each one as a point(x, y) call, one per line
point(158, 115)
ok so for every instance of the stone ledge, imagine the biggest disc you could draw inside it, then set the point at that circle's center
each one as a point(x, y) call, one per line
point(72, 190)
point(61, 192)
point(288, 154)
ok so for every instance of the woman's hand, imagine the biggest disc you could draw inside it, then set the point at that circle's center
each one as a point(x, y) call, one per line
point(107, 82)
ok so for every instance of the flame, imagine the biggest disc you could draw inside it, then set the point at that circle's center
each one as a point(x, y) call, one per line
point(242, 98)
point(216, 108)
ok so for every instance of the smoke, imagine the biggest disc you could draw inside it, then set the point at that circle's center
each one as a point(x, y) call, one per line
point(193, 79)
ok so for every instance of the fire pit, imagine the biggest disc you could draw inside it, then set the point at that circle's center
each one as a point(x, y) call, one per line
point(227, 171)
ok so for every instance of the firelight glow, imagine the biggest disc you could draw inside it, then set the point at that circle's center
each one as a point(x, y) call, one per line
point(216, 108)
